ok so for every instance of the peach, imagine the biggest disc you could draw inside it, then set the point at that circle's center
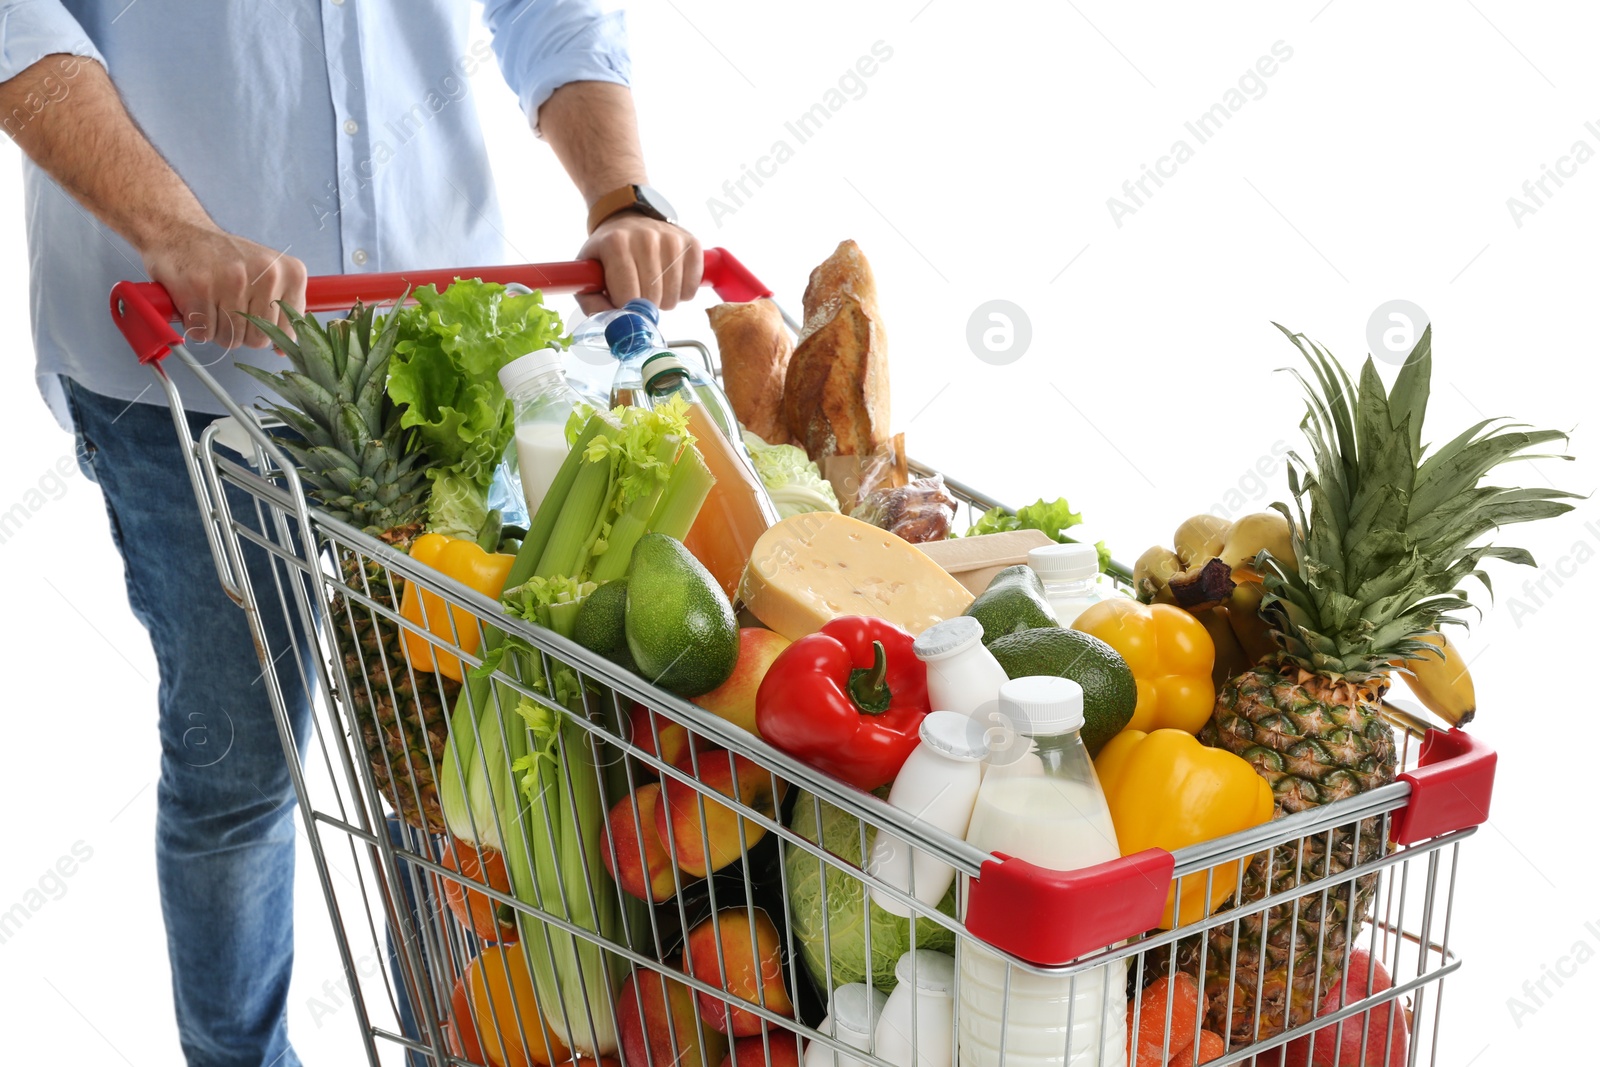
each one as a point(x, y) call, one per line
point(749, 968)
point(642, 866)
point(645, 728)
point(656, 1024)
point(735, 699)
point(700, 854)
point(751, 1052)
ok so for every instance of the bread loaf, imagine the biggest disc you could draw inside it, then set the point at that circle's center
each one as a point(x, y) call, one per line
point(755, 349)
point(836, 392)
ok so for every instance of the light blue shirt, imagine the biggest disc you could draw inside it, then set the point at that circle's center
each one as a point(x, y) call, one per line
point(342, 132)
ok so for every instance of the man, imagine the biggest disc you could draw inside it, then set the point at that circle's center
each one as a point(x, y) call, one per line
point(226, 149)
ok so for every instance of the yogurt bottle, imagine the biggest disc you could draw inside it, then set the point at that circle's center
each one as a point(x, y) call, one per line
point(1041, 802)
point(963, 676)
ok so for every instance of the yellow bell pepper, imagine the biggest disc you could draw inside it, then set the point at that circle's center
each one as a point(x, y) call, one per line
point(1167, 790)
point(457, 627)
point(1170, 654)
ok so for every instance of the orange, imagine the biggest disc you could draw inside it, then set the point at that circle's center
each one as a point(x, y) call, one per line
point(500, 990)
point(477, 911)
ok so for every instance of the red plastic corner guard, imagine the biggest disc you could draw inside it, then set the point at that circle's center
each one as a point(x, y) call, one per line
point(146, 323)
point(143, 311)
point(1451, 787)
point(1053, 917)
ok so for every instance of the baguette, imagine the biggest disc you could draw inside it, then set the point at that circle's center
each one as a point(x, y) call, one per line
point(836, 392)
point(755, 348)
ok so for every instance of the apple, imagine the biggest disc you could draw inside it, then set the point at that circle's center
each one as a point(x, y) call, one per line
point(1341, 1042)
point(656, 1024)
point(700, 854)
point(749, 968)
point(735, 699)
point(751, 1052)
point(645, 728)
point(645, 866)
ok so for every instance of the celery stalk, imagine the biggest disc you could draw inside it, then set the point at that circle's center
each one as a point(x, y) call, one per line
point(581, 513)
point(544, 523)
point(634, 522)
point(687, 489)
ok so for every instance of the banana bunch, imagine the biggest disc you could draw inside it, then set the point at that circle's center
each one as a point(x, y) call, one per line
point(1211, 572)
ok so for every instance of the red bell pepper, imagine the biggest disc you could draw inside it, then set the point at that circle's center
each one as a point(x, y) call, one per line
point(848, 700)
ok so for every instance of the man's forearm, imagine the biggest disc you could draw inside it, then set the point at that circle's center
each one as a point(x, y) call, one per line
point(77, 130)
point(75, 127)
point(595, 134)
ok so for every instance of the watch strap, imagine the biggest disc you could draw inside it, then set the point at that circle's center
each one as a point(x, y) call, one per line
point(611, 203)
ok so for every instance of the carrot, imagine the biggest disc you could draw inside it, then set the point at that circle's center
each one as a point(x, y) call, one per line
point(1211, 1046)
point(1187, 1009)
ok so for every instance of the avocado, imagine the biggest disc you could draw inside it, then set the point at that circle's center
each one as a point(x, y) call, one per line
point(599, 626)
point(678, 623)
point(1109, 693)
point(1014, 601)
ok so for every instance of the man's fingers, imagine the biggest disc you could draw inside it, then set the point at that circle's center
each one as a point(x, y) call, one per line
point(671, 275)
point(622, 276)
point(594, 303)
point(261, 308)
point(694, 267)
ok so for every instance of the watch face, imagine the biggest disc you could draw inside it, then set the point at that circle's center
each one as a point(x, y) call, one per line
point(655, 203)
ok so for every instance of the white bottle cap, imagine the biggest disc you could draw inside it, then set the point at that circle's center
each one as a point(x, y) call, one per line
point(947, 638)
point(1064, 563)
point(524, 369)
point(1042, 705)
point(955, 736)
point(927, 971)
point(854, 1009)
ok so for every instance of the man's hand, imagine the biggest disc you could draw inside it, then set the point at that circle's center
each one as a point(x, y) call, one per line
point(87, 142)
point(594, 132)
point(213, 275)
point(642, 257)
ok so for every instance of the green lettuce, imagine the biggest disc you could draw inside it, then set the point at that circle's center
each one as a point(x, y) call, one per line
point(1053, 517)
point(795, 484)
point(445, 375)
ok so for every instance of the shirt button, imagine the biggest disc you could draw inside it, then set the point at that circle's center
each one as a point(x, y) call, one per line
point(359, 257)
point(351, 126)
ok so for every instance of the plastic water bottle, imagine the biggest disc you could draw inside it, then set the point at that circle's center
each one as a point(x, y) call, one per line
point(1042, 803)
point(632, 336)
point(1070, 574)
point(590, 365)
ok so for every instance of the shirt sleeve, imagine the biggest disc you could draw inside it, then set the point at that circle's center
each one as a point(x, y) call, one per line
point(33, 29)
point(544, 44)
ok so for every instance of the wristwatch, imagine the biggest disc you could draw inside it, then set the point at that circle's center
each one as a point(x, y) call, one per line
point(641, 198)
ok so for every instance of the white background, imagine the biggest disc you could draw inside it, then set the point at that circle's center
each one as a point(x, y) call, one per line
point(977, 165)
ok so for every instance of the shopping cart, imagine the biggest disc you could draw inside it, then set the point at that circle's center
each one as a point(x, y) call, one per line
point(394, 895)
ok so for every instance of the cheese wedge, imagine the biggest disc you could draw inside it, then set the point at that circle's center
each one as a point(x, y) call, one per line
point(810, 569)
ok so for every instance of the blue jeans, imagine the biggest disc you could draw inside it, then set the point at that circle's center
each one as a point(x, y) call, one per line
point(225, 803)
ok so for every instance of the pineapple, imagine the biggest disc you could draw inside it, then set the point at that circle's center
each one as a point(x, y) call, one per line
point(359, 466)
point(1378, 566)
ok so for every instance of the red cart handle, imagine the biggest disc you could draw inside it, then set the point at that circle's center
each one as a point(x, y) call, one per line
point(144, 313)
point(1073, 913)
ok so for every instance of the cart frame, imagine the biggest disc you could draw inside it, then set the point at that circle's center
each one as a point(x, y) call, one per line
point(1441, 797)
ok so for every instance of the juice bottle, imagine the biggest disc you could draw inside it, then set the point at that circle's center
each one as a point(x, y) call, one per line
point(738, 511)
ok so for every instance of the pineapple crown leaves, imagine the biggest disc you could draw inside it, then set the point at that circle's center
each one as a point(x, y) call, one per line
point(350, 446)
point(1384, 532)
